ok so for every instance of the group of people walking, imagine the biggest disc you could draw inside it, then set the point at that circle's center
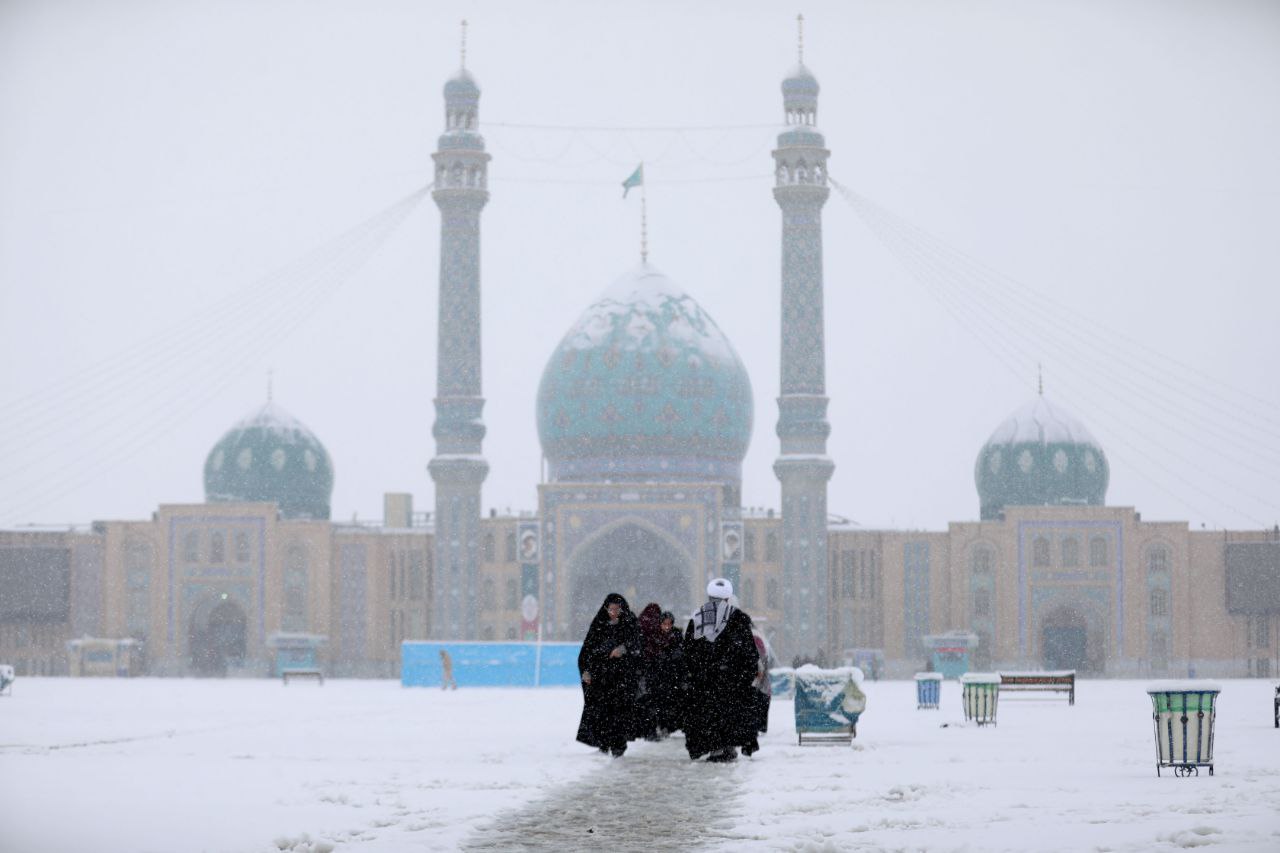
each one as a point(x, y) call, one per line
point(645, 678)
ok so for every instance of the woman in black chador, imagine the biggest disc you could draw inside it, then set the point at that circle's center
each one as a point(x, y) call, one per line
point(723, 664)
point(609, 664)
point(662, 674)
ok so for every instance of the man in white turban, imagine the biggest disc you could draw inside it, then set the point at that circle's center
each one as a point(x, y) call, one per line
point(723, 664)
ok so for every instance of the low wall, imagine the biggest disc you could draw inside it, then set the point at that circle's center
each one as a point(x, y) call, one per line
point(491, 664)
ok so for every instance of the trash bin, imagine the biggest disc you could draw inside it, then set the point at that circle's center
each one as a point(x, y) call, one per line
point(981, 690)
point(828, 704)
point(1183, 713)
point(928, 690)
point(782, 682)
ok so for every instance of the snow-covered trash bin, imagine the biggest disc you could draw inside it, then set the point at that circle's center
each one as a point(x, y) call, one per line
point(1183, 712)
point(928, 690)
point(980, 690)
point(828, 703)
point(782, 682)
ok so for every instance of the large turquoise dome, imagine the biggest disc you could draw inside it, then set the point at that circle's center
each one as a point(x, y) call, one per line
point(271, 456)
point(1040, 456)
point(645, 387)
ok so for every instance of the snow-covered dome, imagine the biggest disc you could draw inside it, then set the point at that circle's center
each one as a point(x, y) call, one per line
point(461, 86)
point(1040, 455)
point(800, 82)
point(271, 456)
point(645, 387)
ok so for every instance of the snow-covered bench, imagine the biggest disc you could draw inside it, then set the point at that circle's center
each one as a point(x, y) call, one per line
point(1054, 682)
point(286, 674)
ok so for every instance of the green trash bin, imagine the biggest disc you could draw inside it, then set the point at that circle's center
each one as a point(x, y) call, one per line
point(980, 693)
point(1183, 712)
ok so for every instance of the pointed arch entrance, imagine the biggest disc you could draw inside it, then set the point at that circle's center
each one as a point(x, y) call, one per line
point(1072, 637)
point(634, 559)
point(217, 636)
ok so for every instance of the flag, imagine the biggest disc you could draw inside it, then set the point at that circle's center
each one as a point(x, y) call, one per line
point(636, 180)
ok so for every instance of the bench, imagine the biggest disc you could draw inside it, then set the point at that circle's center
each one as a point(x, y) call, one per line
point(1052, 682)
point(286, 674)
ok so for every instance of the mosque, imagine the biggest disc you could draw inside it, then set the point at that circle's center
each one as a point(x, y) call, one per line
point(644, 413)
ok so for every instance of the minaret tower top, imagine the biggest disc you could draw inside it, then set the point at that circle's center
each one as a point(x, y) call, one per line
point(800, 87)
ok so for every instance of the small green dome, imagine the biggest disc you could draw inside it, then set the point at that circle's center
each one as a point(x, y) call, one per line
point(271, 456)
point(645, 387)
point(1040, 456)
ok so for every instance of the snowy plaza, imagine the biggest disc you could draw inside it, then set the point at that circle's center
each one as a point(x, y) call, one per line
point(249, 765)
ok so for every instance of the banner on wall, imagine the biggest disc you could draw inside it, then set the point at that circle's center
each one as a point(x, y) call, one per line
point(529, 552)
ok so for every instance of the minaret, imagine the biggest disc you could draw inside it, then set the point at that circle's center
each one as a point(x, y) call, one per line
point(802, 466)
point(459, 468)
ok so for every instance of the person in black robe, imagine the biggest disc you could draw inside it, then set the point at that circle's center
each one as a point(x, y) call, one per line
point(609, 665)
point(723, 663)
point(661, 676)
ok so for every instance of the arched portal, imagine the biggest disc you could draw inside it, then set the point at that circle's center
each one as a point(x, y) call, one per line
point(217, 637)
point(1071, 638)
point(635, 561)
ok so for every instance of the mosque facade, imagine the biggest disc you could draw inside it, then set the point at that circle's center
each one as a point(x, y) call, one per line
point(644, 414)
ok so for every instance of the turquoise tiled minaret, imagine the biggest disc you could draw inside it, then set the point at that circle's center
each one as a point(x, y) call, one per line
point(458, 468)
point(803, 466)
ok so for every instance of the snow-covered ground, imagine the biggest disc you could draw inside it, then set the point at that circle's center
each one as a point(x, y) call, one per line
point(185, 765)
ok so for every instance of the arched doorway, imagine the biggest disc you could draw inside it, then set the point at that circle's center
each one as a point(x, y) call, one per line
point(217, 637)
point(1066, 641)
point(634, 560)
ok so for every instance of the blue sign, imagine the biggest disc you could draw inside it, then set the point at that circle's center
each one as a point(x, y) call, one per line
point(491, 664)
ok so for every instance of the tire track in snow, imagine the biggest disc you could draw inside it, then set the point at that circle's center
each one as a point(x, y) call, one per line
point(654, 793)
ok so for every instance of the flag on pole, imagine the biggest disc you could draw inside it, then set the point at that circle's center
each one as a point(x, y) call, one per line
point(636, 180)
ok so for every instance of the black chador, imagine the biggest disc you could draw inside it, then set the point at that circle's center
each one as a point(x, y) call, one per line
point(722, 660)
point(609, 665)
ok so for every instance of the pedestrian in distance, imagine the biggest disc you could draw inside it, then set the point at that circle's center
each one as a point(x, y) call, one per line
point(446, 672)
point(609, 665)
point(723, 664)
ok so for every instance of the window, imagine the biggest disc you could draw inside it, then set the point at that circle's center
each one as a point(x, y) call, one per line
point(294, 617)
point(1158, 560)
point(511, 547)
point(771, 548)
point(772, 594)
point(217, 547)
point(242, 546)
point(1258, 632)
point(138, 603)
point(191, 547)
point(984, 560)
point(847, 570)
point(1159, 602)
point(487, 633)
point(1159, 652)
point(511, 633)
point(415, 575)
point(748, 592)
point(749, 546)
point(513, 595)
point(1070, 552)
point(982, 602)
point(1040, 552)
point(1098, 551)
point(489, 553)
point(489, 595)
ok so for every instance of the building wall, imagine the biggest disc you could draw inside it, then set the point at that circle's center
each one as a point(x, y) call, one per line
point(1157, 593)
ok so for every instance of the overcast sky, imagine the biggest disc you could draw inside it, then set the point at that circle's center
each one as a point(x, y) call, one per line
point(1089, 185)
